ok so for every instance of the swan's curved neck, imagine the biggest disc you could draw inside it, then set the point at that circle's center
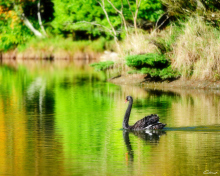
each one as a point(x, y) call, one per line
point(127, 115)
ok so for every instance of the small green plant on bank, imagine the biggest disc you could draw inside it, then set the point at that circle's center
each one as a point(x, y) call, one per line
point(101, 66)
point(153, 64)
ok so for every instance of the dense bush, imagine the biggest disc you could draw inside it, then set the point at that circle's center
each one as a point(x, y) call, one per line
point(154, 65)
point(147, 60)
point(166, 73)
point(161, 74)
point(12, 30)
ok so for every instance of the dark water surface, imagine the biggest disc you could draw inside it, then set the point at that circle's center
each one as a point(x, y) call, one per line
point(61, 118)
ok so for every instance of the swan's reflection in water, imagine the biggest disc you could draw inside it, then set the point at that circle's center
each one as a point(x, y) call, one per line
point(128, 145)
point(150, 137)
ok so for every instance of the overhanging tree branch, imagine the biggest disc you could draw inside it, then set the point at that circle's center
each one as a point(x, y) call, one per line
point(156, 26)
point(26, 21)
point(96, 24)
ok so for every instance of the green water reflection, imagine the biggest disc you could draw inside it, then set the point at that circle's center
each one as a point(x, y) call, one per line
point(61, 118)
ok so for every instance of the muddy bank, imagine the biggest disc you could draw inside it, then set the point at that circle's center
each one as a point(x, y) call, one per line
point(140, 80)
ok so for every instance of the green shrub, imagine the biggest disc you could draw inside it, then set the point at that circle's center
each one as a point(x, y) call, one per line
point(147, 60)
point(153, 72)
point(169, 73)
point(163, 74)
point(102, 65)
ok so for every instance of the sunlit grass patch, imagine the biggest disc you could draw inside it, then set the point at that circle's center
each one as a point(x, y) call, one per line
point(60, 48)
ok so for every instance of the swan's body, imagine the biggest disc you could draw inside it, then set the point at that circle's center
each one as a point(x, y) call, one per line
point(147, 123)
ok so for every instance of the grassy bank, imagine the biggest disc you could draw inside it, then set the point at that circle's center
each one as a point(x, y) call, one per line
point(191, 49)
point(59, 48)
point(196, 52)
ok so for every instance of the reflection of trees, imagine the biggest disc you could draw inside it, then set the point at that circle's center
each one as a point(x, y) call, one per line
point(196, 108)
point(40, 104)
point(85, 116)
point(36, 93)
point(29, 145)
point(187, 153)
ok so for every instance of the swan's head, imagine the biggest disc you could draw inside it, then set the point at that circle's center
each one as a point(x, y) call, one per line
point(128, 98)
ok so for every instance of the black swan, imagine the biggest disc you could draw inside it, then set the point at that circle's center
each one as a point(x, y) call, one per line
point(150, 122)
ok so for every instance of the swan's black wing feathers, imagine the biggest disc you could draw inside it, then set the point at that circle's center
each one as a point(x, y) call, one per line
point(151, 122)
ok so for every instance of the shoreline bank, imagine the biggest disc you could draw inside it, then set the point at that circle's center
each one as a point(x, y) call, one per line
point(131, 79)
point(140, 80)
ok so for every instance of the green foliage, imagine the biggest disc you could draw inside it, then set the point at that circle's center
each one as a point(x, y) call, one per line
point(102, 65)
point(73, 19)
point(166, 73)
point(150, 10)
point(10, 38)
point(12, 30)
point(73, 16)
point(153, 64)
point(161, 74)
point(147, 60)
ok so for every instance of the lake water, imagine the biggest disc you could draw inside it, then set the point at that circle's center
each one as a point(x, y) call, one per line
point(62, 118)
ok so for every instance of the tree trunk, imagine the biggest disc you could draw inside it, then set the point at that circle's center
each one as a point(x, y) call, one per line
point(31, 27)
point(39, 19)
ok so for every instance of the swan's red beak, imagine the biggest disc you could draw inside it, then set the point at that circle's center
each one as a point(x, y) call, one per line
point(126, 101)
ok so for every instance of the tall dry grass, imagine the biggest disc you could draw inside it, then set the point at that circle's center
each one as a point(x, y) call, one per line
point(138, 44)
point(192, 46)
point(196, 52)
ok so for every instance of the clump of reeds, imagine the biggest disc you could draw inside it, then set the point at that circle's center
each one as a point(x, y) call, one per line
point(138, 44)
point(196, 52)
